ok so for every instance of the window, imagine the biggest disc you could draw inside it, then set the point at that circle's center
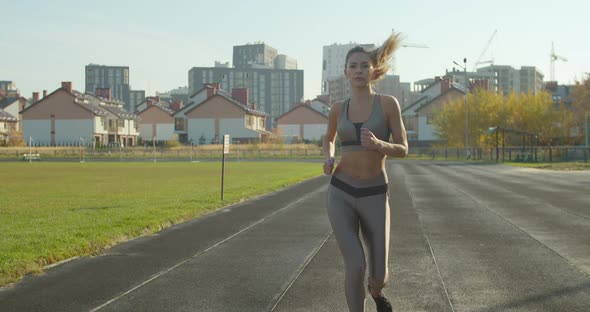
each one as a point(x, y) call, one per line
point(179, 124)
point(247, 121)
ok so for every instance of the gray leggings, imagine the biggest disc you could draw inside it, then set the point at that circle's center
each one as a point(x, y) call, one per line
point(355, 204)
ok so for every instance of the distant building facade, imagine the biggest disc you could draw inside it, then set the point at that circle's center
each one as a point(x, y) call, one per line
point(135, 97)
point(272, 90)
point(6, 85)
point(333, 59)
point(303, 122)
point(213, 112)
point(157, 120)
point(419, 115)
point(114, 77)
point(526, 80)
point(272, 80)
point(68, 117)
point(254, 55)
point(12, 107)
point(389, 84)
point(560, 93)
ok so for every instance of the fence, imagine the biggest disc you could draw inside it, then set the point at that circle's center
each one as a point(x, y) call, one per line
point(286, 151)
point(510, 153)
point(163, 153)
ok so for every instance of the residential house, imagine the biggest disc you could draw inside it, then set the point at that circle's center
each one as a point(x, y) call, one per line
point(321, 104)
point(68, 117)
point(13, 106)
point(122, 125)
point(305, 121)
point(8, 126)
point(419, 115)
point(157, 120)
point(213, 112)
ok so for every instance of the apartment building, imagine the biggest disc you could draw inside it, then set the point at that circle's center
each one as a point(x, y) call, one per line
point(115, 78)
point(333, 59)
point(527, 79)
point(272, 79)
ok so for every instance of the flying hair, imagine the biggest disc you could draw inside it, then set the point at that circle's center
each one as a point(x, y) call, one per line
point(381, 56)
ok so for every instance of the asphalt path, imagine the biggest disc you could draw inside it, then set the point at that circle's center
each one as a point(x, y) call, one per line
point(464, 237)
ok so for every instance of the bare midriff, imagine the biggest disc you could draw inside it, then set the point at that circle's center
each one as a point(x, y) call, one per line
point(361, 164)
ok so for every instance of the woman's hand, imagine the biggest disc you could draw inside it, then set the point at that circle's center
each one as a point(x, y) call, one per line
point(369, 140)
point(329, 166)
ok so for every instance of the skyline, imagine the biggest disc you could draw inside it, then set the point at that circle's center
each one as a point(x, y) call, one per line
point(46, 43)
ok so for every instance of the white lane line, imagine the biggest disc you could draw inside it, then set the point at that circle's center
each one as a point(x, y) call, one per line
point(440, 278)
point(161, 273)
point(483, 204)
point(308, 260)
point(505, 186)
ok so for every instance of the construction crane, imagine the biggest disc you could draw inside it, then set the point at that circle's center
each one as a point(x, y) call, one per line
point(478, 61)
point(554, 57)
point(410, 45)
point(413, 45)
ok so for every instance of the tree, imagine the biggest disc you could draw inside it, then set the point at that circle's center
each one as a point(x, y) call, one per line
point(580, 106)
point(524, 112)
point(13, 138)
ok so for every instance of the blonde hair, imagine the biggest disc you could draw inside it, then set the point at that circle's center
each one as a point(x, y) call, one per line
point(380, 56)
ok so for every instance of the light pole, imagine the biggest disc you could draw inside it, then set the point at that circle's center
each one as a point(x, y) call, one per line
point(586, 128)
point(83, 158)
point(92, 99)
point(467, 153)
point(154, 146)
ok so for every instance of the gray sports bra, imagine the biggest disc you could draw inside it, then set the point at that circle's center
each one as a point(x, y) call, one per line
point(350, 133)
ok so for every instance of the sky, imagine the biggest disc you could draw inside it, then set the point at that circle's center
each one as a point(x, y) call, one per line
point(43, 43)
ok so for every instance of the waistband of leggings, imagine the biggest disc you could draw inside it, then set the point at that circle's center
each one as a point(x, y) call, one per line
point(358, 192)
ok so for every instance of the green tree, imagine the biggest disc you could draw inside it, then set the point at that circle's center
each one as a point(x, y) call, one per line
point(525, 112)
point(580, 107)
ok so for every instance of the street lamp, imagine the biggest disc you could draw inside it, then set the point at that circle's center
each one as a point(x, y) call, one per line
point(467, 153)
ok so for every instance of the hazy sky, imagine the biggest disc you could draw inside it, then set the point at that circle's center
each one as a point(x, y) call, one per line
point(45, 42)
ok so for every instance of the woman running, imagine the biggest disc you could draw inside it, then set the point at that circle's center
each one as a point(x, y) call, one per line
point(358, 196)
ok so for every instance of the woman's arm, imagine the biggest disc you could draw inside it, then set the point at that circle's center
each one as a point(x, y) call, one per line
point(330, 137)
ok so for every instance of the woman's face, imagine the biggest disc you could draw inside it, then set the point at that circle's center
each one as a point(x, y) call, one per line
point(359, 70)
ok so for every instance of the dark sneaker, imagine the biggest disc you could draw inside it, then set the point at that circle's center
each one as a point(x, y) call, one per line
point(383, 305)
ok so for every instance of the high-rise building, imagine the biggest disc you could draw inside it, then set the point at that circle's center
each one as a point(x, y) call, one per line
point(389, 84)
point(333, 62)
point(7, 85)
point(531, 80)
point(135, 97)
point(273, 91)
point(283, 61)
point(527, 79)
point(258, 55)
point(114, 77)
point(485, 79)
point(273, 81)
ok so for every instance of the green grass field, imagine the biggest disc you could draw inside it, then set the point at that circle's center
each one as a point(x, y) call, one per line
point(54, 211)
